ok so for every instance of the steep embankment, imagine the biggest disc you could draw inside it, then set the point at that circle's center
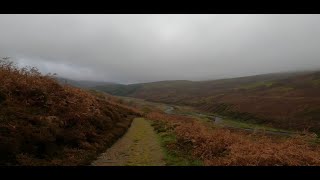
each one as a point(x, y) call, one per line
point(284, 100)
point(44, 123)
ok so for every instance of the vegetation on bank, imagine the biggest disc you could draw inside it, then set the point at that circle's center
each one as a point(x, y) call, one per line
point(219, 146)
point(45, 123)
point(226, 121)
point(174, 155)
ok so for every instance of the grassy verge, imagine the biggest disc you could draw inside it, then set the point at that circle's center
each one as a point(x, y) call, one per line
point(246, 125)
point(174, 156)
point(230, 122)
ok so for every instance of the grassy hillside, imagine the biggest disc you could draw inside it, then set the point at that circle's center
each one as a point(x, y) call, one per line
point(284, 100)
point(119, 89)
point(45, 123)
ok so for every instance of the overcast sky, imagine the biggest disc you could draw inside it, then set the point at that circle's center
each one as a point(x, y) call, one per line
point(144, 48)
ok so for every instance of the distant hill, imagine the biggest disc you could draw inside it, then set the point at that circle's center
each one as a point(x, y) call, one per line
point(287, 100)
point(118, 89)
point(82, 83)
point(164, 89)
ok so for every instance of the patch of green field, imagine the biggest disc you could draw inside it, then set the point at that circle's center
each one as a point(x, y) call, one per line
point(247, 125)
point(284, 89)
point(234, 122)
point(226, 121)
point(316, 82)
point(256, 85)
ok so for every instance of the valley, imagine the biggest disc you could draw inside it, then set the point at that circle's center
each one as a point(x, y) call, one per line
point(283, 100)
point(211, 118)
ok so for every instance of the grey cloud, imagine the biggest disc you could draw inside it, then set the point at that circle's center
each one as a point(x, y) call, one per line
point(143, 48)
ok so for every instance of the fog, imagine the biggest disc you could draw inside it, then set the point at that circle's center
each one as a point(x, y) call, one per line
point(145, 48)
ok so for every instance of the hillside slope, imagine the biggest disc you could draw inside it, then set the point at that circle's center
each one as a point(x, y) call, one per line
point(285, 100)
point(81, 83)
point(45, 123)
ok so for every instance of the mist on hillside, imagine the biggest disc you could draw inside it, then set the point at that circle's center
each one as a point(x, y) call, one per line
point(144, 48)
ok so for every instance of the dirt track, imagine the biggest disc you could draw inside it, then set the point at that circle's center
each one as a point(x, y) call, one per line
point(138, 147)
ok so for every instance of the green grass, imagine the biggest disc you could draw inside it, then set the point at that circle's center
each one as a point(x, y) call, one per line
point(239, 123)
point(256, 85)
point(246, 125)
point(285, 88)
point(173, 157)
point(316, 82)
point(231, 122)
